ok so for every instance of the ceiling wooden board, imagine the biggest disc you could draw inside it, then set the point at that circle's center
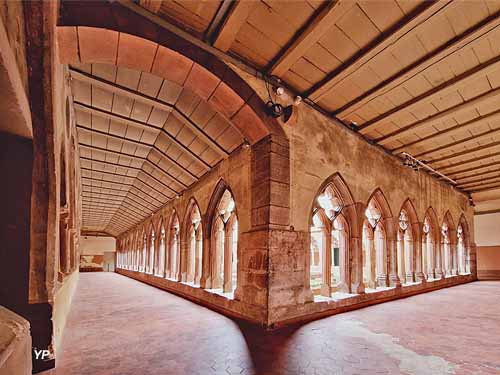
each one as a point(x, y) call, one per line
point(138, 144)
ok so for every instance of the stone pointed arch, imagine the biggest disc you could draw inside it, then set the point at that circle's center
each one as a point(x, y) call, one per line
point(448, 218)
point(462, 221)
point(409, 207)
point(430, 213)
point(379, 198)
point(143, 46)
point(221, 253)
point(341, 189)
point(215, 198)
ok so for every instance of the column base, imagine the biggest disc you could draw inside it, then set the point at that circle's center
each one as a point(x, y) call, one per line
point(326, 291)
point(394, 281)
point(410, 277)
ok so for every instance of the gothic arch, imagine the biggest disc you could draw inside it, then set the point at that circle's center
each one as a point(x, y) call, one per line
point(329, 266)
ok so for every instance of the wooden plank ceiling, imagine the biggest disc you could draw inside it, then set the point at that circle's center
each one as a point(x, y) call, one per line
point(416, 76)
point(143, 140)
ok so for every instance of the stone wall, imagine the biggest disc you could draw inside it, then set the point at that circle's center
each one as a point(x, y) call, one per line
point(41, 208)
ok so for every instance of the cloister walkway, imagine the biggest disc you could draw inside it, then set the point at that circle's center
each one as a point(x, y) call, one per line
point(119, 326)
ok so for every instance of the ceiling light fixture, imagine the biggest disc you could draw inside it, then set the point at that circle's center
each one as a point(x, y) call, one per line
point(274, 108)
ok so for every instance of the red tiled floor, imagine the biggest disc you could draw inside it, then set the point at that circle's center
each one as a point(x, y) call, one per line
point(118, 326)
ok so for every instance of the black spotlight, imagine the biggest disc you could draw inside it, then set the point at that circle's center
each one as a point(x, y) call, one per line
point(274, 109)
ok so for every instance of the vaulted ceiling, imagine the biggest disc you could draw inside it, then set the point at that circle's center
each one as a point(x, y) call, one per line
point(421, 77)
point(143, 140)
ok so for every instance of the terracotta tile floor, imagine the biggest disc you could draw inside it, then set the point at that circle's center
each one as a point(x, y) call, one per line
point(123, 327)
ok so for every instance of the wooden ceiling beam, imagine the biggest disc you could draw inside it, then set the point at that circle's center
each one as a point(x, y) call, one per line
point(119, 90)
point(135, 178)
point(140, 206)
point(126, 196)
point(130, 156)
point(476, 137)
point(478, 174)
point(468, 125)
point(462, 153)
point(151, 147)
point(473, 34)
point(123, 204)
point(482, 179)
point(459, 82)
point(488, 97)
point(132, 219)
point(124, 191)
point(384, 41)
point(331, 12)
point(227, 26)
point(474, 160)
point(482, 187)
point(151, 5)
point(125, 120)
point(128, 210)
point(149, 100)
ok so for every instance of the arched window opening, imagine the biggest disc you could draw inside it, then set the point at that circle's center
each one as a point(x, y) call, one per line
point(225, 245)
point(374, 248)
point(195, 246)
point(151, 266)
point(405, 249)
point(174, 253)
point(329, 245)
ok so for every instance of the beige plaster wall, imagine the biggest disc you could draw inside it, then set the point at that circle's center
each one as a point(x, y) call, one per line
point(487, 229)
point(93, 245)
point(487, 234)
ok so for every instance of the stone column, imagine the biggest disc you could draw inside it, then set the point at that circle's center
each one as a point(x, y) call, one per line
point(198, 256)
point(392, 254)
point(176, 248)
point(401, 256)
point(438, 253)
point(353, 212)
point(184, 260)
point(326, 263)
point(228, 257)
point(418, 252)
point(344, 262)
point(207, 261)
point(409, 263)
